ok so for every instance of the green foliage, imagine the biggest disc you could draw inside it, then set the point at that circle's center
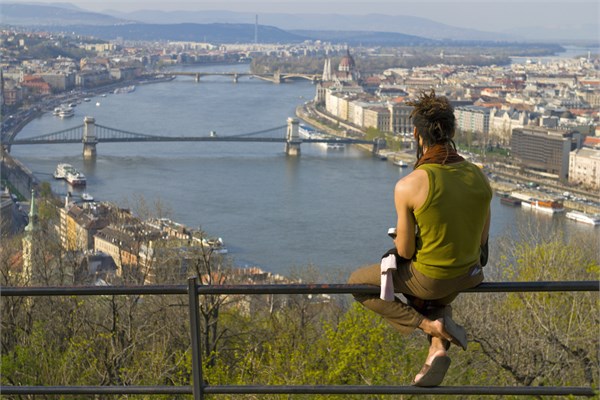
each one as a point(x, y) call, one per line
point(373, 133)
point(515, 339)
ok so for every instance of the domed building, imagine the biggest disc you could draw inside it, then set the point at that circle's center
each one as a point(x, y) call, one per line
point(346, 71)
point(345, 79)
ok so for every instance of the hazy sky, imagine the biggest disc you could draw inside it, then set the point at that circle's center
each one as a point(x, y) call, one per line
point(489, 15)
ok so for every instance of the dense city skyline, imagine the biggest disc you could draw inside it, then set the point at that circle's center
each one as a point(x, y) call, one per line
point(563, 17)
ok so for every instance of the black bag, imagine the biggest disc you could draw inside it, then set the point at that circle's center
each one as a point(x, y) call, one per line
point(484, 253)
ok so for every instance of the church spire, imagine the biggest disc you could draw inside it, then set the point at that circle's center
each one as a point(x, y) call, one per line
point(28, 240)
point(32, 225)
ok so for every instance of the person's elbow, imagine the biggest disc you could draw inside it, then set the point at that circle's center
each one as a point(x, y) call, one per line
point(405, 250)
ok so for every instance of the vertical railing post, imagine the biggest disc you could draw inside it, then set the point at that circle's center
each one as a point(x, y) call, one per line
point(198, 385)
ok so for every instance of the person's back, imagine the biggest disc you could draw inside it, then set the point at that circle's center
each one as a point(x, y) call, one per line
point(451, 219)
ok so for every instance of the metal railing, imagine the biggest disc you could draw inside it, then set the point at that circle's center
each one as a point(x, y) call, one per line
point(200, 388)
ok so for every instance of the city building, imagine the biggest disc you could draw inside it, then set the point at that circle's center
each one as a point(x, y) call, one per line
point(400, 120)
point(544, 150)
point(78, 225)
point(584, 168)
point(502, 123)
point(377, 117)
point(473, 119)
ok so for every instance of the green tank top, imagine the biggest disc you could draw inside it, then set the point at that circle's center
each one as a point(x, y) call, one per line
point(451, 220)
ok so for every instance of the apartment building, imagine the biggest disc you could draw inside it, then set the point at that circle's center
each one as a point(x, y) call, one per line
point(544, 149)
point(377, 117)
point(472, 119)
point(400, 121)
point(584, 167)
point(502, 123)
point(78, 226)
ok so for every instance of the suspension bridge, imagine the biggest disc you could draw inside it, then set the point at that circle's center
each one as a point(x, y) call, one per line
point(277, 77)
point(91, 134)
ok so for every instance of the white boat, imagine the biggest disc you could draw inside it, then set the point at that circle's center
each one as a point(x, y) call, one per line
point(400, 164)
point(216, 245)
point(545, 206)
point(590, 219)
point(75, 178)
point(97, 104)
point(85, 196)
point(127, 89)
point(70, 174)
point(66, 112)
point(87, 99)
point(306, 132)
point(335, 146)
point(61, 170)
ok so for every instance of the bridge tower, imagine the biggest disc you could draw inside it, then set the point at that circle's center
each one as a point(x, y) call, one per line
point(197, 78)
point(292, 146)
point(277, 77)
point(379, 144)
point(235, 78)
point(89, 138)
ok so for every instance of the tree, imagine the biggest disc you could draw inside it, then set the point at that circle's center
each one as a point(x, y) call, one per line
point(540, 338)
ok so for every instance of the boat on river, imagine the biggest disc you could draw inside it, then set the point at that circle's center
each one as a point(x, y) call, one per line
point(126, 89)
point(590, 219)
point(400, 163)
point(85, 196)
point(306, 132)
point(61, 170)
point(335, 146)
point(69, 173)
point(545, 206)
point(64, 111)
point(508, 200)
point(216, 245)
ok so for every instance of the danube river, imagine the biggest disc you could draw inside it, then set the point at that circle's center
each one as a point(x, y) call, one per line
point(330, 209)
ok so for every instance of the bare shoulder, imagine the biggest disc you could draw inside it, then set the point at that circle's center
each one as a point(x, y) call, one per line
point(412, 182)
point(411, 191)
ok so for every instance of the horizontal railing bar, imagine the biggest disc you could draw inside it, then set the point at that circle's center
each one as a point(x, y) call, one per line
point(73, 390)
point(91, 290)
point(317, 389)
point(544, 286)
point(439, 390)
point(587, 286)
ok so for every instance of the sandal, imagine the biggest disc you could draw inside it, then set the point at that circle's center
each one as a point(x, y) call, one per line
point(458, 333)
point(433, 374)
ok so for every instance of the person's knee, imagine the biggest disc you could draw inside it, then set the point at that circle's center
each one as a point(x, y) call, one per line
point(354, 278)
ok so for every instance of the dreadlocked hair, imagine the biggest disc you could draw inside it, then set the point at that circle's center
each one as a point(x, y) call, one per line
point(433, 116)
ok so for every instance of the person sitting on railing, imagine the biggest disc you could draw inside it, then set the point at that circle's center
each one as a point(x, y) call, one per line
point(443, 210)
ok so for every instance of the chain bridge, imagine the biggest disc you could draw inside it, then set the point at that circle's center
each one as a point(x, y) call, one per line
point(277, 77)
point(91, 134)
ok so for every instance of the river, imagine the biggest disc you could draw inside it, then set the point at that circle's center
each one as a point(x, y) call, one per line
point(329, 209)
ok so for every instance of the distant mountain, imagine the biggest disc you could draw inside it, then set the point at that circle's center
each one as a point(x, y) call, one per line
point(356, 38)
point(407, 25)
point(56, 14)
point(67, 14)
point(214, 33)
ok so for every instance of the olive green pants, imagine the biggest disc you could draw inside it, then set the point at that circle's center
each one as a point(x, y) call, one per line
point(426, 297)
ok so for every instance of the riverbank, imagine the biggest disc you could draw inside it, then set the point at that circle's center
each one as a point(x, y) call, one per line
point(18, 176)
point(499, 180)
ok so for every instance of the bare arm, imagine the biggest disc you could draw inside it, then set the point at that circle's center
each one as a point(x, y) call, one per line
point(409, 194)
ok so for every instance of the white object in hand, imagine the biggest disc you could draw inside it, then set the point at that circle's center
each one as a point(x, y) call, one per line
point(388, 264)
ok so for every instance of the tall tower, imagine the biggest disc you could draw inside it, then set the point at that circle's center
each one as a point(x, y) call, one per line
point(256, 29)
point(28, 240)
point(327, 75)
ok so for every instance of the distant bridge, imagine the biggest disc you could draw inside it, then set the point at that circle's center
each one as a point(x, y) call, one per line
point(277, 77)
point(90, 134)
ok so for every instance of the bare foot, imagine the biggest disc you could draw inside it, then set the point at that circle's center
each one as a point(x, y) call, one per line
point(435, 329)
